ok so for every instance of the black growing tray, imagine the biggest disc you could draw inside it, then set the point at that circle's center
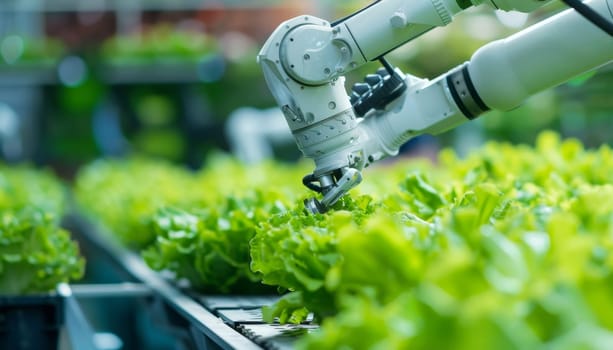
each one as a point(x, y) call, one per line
point(31, 322)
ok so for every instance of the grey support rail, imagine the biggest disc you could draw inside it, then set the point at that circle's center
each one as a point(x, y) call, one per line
point(200, 319)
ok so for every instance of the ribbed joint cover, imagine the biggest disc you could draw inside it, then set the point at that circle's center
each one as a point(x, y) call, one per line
point(442, 12)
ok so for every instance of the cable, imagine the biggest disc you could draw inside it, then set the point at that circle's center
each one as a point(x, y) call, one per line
point(591, 15)
point(388, 66)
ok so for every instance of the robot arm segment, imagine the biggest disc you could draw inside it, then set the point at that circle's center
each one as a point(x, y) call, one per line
point(305, 58)
point(500, 75)
point(506, 72)
point(391, 23)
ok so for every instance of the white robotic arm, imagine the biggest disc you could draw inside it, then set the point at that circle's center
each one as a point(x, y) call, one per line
point(305, 58)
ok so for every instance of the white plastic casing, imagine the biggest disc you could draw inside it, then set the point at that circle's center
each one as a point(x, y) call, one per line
point(391, 23)
point(318, 113)
point(426, 108)
point(302, 104)
point(504, 74)
point(508, 71)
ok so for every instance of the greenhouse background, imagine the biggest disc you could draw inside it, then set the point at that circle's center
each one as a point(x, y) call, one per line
point(140, 144)
point(82, 79)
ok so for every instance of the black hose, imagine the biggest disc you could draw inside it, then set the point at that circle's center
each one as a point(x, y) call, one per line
point(309, 182)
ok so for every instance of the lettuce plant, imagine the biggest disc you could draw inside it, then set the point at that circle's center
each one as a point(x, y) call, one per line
point(209, 247)
point(35, 253)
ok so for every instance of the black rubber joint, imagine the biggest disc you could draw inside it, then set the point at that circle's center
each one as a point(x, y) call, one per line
point(464, 93)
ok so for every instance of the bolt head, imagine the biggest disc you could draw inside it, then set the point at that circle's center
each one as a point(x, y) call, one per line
point(398, 20)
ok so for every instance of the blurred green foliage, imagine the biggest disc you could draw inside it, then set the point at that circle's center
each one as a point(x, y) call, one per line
point(242, 85)
point(123, 194)
point(160, 43)
point(580, 108)
point(16, 49)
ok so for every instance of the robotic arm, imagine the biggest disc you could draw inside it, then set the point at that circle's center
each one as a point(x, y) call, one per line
point(305, 58)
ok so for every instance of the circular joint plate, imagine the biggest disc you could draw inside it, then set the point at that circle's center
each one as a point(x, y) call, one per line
point(310, 55)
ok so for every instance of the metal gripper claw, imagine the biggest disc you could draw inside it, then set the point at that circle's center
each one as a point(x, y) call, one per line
point(331, 186)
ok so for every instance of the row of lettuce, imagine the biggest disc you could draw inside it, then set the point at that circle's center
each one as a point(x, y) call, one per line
point(510, 247)
point(36, 254)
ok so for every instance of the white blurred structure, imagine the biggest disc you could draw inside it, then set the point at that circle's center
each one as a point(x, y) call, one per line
point(11, 147)
point(252, 133)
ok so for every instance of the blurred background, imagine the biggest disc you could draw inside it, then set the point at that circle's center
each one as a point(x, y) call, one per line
point(178, 79)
